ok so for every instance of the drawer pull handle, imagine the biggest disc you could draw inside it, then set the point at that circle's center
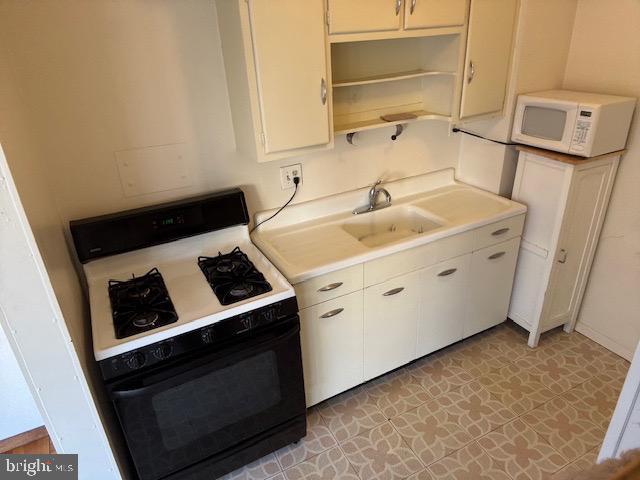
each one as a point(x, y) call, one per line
point(413, 7)
point(332, 313)
point(448, 272)
point(502, 231)
point(497, 255)
point(398, 7)
point(393, 291)
point(331, 286)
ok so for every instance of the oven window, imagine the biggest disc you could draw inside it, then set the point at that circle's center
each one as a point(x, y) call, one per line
point(546, 123)
point(211, 402)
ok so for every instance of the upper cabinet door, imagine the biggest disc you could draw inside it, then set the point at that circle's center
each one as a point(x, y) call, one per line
point(291, 71)
point(434, 13)
point(351, 16)
point(491, 24)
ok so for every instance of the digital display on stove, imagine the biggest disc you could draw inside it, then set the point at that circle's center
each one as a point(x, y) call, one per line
point(169, 221)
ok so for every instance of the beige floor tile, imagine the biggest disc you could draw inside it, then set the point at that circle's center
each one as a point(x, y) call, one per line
point(439, 373)
point(516, 388)
point(397, 392)
point(524, 453)
point(473, 407)
point(431, 432)
point(261, 469)
point(381, 454)
point(350, 414)
point(329, 465)
point(564, 428)
point(479, 356)
point(469, 463)
point(595, 400)
point(510, 339)
point(422, 475)
point(584, 462)
point(556, 371)
point(318, 439)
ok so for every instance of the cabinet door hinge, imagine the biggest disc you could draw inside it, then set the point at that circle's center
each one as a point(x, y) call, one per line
point(262, 139)
point(326, 17)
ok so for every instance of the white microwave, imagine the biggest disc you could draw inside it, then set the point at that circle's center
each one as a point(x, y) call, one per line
point(578, 123)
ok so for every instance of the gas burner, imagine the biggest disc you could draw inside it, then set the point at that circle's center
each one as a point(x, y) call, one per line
point(233, 277)
point(140, 304)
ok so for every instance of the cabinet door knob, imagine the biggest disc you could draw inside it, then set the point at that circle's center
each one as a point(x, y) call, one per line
point(501, 231)
point(497, 255)
point(472, 71)
point(448, 272)
point(332, 313)
point(413, 6)
point(562, 258)
point(393, 291)
point(331, 286)
point(398, 6)
point(323, 91)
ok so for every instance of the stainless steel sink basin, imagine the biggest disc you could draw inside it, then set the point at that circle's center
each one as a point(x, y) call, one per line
point(390, 225)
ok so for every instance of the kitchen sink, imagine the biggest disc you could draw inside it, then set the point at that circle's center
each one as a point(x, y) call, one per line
point(377, 228)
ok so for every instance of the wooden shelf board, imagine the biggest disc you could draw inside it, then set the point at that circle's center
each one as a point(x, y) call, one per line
point(389, 77)
point(393, 34)
point(378, 123)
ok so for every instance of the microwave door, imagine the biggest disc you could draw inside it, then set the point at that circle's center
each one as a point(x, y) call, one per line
point(548, 124)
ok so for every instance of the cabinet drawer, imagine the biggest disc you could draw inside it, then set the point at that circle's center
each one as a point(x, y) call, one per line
point(332, 285)
point(498, 232)
point(434, 13)
point(332, 347)
point(351, 16)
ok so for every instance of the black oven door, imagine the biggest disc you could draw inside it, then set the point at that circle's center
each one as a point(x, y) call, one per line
point(177, 416)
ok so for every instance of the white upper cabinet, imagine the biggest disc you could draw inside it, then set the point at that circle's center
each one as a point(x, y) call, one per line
point(291, 71)
point(489, 45)
point(276, 62)
point(434, 13)
point(351, 16)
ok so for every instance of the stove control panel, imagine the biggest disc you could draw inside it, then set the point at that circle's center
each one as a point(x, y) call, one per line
point(246, 324)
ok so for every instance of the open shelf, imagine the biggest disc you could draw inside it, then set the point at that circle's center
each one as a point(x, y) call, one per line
point(388, 77)
point(370, 124)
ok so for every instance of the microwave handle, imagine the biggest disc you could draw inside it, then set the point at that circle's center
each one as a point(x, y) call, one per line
point(202, 365)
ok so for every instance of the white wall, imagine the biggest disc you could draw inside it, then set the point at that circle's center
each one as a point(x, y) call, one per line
point(19, 411)
point(605, 57)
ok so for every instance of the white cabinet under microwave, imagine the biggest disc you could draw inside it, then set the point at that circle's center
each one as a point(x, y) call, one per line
point(578, 123)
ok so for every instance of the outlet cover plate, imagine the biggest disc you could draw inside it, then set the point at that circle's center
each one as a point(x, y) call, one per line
point(287, 173)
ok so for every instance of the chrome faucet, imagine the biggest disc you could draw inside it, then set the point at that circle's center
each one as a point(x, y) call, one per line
point(374, 192)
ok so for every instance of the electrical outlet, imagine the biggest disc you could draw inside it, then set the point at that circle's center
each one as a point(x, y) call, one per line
point(287, 173)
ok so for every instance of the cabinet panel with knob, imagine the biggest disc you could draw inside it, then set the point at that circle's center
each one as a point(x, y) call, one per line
point(349, 16)
point(434, 13)
point(489, 46)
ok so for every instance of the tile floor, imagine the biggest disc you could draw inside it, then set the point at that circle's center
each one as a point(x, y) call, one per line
point(488, 408)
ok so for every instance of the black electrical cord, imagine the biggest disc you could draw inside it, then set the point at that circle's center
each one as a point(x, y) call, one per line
point(296, 181)
point(456, 130)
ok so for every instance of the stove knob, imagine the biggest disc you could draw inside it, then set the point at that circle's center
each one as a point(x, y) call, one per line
point(207, 335)
point(163, 351)
point(136, 360)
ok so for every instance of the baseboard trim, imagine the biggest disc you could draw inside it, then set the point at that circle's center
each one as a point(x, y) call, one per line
point(605, 341)
point(23, 438)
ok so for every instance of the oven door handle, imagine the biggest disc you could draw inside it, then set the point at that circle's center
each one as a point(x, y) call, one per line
point(127, 389)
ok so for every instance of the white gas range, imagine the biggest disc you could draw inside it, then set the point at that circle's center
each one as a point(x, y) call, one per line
point(196, 334)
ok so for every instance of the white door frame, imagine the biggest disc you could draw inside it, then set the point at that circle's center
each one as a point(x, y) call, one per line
point(33, 322)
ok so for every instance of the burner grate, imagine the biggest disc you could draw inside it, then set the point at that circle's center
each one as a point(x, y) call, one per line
point(140, 304)
point(233, 277)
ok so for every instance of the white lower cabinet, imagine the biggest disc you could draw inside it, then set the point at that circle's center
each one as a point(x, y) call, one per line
point(390, 322)
point(332, 346)
point(490, 283)
point(442, 304)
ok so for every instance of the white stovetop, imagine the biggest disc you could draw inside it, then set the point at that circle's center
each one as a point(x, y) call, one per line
point(307, 239)
point(192, 297)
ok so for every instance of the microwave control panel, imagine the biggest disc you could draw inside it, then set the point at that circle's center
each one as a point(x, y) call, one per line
point(583, 127)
